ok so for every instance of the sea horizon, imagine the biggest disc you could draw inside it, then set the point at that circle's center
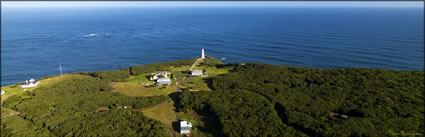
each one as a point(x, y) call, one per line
point(35, 41)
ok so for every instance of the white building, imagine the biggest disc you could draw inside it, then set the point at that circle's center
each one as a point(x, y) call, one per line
point(185, 127)
point(156, 76)
point(196, 73)
point(163, 81)
point(2, 92)
point(29, 84)
point(203, 54)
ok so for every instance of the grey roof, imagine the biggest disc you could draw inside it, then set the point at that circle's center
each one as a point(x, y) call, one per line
point(163, 83)
point(196, 72)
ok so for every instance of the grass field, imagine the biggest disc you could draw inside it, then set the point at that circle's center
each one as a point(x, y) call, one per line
point(10, 91)
point(164, 113)
point(213, 71)
point(200, 83)
point(181, 68)
point(134, 89)
point(195, 84)
point(143, 78)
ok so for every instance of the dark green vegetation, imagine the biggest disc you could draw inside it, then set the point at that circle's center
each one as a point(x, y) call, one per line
point(85, 106)
point(122, 74)
point(11, 101)
point(241, 113)
point(17, 126)
point(269, 100)
point(68, 108)
point(250, 100)
point(114, 75)
point(140, 69)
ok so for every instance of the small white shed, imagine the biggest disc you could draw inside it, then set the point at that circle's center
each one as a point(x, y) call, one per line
point(196, 72)
point(185, 127)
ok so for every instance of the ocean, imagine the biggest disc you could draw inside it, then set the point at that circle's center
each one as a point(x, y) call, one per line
point(35, 41)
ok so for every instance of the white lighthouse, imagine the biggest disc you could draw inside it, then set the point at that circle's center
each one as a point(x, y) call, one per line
point(203, 54)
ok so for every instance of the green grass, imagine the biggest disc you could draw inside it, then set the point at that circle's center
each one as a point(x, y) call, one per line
point(195, 84)
point(199, 83)
point(164, 113)
point(142, 78)
point(181, 68)
point(10, 91)
point(213, 71)
point(134, 89)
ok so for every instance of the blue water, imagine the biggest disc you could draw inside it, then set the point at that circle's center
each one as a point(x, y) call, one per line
point(35, 41)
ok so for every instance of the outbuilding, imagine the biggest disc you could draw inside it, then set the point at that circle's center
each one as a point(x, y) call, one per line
point(159, 75)
point(163, 81)
point(196, 73)
point(185, 127)
point(29, 83)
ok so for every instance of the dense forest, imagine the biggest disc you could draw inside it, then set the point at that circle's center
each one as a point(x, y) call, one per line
point(253, 99)
point(68, 108)
point(268, 100)
point(71, 107)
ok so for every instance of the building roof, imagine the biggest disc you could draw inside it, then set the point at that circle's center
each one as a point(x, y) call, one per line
point(185, 124)
point(196, 72)
point(159, 74)
point(162, 73)
point(163, 83)
point(29, 82)
point(163, 79)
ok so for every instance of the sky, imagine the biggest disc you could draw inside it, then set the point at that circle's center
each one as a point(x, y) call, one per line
point(72, 4)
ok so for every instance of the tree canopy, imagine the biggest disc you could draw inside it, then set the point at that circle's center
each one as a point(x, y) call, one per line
point(377, 102)
point(69, 108)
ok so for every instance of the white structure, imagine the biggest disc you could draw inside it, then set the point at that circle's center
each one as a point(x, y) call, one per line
point(203, 54)
point(29, 84)
point(196, 72)
point(185, 127)
point(2, 92)
point(156, 76)
point(163, 81)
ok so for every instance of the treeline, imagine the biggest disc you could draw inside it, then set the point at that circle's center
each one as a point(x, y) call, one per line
point(377, 102)
point(114, 75)
point(68, 108)
point(165, 66)
point(122, 74)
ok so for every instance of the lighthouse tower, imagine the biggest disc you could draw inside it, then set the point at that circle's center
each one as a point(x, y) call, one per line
point(203, 54)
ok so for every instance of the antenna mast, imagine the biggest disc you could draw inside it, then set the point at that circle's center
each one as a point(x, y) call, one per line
point(60, 68)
